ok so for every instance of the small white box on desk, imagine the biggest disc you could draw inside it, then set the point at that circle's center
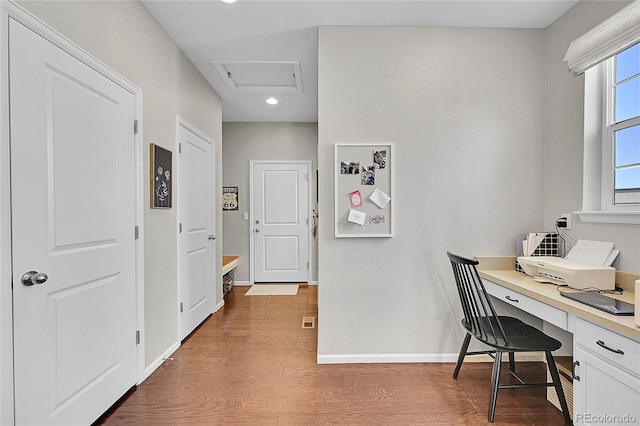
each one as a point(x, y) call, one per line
point(561, 271)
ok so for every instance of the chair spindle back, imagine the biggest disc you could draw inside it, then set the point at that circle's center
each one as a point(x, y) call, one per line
point(480, 317)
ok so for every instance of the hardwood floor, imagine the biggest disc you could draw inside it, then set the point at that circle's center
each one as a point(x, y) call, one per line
point(252, 363)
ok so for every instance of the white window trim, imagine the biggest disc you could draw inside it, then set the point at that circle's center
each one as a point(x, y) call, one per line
point(597, 156)
point(630, 218)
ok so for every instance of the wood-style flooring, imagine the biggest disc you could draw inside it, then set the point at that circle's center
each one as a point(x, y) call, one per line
point(252, 363)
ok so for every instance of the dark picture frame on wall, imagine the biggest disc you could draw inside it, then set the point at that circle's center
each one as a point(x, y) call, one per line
point(161, 177)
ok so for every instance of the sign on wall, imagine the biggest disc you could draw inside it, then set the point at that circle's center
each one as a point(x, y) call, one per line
point(230, 198)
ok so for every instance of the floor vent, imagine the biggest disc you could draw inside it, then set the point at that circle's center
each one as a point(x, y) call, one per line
point(308, 322)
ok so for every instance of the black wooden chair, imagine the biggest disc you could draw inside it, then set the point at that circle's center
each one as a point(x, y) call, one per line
point(502, 333)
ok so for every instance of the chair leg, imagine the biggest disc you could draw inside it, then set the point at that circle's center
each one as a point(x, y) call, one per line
point(553, 370)
point(461, 355)
point(512, 361)
point(495, 383)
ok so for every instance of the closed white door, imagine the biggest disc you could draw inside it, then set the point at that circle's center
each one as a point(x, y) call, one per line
point(280, 200)
point(73, 219)
point(197, 248)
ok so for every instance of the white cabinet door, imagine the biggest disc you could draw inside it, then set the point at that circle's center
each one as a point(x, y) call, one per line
point(602, 393)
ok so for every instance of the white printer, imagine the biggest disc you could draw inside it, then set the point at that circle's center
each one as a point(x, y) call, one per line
point(587, 265)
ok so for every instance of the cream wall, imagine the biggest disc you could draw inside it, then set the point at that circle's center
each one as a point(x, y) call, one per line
point(564, 140)
point(465, 110)
point(243, 142)
point(126, 38)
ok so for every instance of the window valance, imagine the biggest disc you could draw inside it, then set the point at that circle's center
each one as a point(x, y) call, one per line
point(612, 36)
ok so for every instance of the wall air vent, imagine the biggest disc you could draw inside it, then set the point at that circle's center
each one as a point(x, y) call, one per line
point(260, 76)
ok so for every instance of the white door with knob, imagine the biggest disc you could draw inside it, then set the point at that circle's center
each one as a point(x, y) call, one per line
point(73, 191)
point(196, 239)
point(280, 205)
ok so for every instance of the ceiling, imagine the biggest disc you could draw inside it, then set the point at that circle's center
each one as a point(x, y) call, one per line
point(252, 50)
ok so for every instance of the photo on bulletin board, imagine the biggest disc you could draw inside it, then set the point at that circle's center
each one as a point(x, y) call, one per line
point(349, 167)
point(363, 188)
point(161, 178)
point(369, 175)
point(380, 159)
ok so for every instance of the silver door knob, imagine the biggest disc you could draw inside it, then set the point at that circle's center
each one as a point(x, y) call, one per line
point(33, 277)
point(212, 237)
point(257, 229)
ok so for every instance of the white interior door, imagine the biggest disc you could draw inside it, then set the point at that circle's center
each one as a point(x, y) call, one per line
point(73, 218)
point(197, 240)
point(280, 221)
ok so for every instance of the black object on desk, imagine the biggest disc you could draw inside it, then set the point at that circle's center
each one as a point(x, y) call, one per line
point(602, 302)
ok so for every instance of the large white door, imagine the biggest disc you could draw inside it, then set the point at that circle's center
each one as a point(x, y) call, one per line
point(73, 218)
point(280, 215)
point(197, 248)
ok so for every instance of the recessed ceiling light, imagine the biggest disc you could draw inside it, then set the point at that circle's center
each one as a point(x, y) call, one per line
point(229, 1)
point(272, 101)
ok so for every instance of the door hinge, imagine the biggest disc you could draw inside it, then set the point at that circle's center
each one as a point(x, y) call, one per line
point(137, 232)
point(180, 148)
point(135, 127)
point(137, 337)
point(307, 265)
point(181, 307)
point(180, 228)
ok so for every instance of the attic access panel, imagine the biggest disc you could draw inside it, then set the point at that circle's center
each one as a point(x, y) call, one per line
point(270, 77)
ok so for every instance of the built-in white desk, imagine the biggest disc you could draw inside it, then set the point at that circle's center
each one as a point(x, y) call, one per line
point(606, 348)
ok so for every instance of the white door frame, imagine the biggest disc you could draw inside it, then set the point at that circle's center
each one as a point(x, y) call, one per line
point(8, 9)
point(252, 219)
point(181, 122)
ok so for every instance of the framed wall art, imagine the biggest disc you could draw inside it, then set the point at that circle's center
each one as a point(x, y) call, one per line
point(363, 188)
point(161, 177)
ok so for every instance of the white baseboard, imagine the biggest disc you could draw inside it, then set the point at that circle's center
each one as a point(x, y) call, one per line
point(158, 362)
point(415, 358)
point(248, 283)
point(218, 306)
point(520, 357)
point(385, 358)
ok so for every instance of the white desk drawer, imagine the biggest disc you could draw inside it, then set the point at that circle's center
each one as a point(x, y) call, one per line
point(541, 310)
point(611, 346)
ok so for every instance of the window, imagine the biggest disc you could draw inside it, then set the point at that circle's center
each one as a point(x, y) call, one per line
point(621, 138)
point(609, 53)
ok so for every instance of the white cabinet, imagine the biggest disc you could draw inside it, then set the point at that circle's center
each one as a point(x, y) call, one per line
point(606, 385)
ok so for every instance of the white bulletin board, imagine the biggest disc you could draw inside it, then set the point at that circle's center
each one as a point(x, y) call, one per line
point(363, 190)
